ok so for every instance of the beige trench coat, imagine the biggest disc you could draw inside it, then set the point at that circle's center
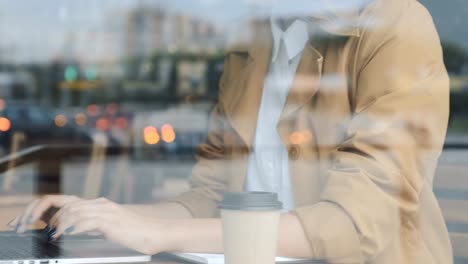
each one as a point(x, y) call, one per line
point(364, 122)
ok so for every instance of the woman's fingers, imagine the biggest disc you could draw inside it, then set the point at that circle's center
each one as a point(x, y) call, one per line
point(68, 208)
point(25, 219)
point(48, 202)
point(76, 207)
point(13, 222)
point(36, 210)
point(73, 214)
point(84, 226)
point(84, 221)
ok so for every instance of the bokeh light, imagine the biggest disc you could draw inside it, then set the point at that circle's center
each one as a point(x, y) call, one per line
point(112, 109)
point(103, 124)
point(92, 110)
point(5, 124)
point(71, 74)
point(295, 138)
point(121, 123)
point(300, 137)
point(2, 104)
point(168, 133)
point(60, 120)
point(151, 135)
point(91, 73)
point(81, 119)
point(306, 136)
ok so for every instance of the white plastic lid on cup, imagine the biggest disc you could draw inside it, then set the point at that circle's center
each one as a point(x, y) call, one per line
point(250, 201)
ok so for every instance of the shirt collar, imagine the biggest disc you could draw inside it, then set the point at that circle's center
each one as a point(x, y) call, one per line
point(334, 16)
point(295, 38)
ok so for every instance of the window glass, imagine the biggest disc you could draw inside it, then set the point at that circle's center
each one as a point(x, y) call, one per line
point(361, 105)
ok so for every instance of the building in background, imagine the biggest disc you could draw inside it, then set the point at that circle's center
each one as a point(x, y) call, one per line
point(144, 32)
point(151, 30)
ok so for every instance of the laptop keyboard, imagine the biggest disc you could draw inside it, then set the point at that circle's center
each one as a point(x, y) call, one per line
point(27, 247)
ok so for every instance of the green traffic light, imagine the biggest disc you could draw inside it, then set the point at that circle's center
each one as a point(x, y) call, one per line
point(91, 74)
point(71, 74)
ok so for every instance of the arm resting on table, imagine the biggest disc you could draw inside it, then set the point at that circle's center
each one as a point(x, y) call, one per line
point(205, 236)
point(166, 210)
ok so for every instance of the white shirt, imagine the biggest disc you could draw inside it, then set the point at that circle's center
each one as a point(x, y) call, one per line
point(268, 168)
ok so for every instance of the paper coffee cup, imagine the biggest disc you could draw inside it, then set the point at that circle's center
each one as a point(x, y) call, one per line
point(250, 227)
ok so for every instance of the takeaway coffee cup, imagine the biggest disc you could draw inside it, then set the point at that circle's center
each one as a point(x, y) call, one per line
point(250, 227)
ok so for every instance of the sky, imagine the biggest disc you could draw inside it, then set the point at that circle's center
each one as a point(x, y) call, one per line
point(35, 30)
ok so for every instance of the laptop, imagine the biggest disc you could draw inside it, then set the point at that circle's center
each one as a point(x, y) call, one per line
point(33, 247)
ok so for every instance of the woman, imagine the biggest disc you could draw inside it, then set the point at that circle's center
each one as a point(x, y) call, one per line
point(363, 109)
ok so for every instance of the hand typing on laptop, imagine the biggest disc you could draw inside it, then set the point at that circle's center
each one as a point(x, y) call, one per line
point(76, 216)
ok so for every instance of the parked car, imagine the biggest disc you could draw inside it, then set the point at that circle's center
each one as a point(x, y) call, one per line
point(38, 125)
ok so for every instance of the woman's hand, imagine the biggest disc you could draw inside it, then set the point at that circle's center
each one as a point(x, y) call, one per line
point(116, 223)
point(40, 209)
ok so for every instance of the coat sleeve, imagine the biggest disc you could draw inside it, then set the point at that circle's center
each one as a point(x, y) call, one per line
point(208, 179)
point(392, 143)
